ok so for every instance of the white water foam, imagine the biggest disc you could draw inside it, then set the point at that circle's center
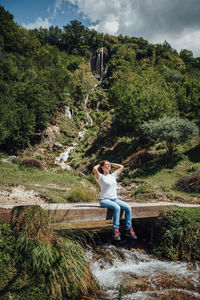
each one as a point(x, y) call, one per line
point(137, 265)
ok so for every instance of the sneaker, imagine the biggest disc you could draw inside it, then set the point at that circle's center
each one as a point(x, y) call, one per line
point(131, 234)
point(116, 235)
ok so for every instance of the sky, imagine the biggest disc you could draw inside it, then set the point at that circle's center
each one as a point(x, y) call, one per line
point(176, 21)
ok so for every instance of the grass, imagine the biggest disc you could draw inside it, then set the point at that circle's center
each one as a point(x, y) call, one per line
point(54, 184)
point(36, 263)
point(163, 183)
point(157, 177)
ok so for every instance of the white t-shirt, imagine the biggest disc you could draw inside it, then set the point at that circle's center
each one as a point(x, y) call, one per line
point(108, 185)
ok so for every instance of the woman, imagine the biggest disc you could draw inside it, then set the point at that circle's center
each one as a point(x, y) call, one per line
point(108, 197)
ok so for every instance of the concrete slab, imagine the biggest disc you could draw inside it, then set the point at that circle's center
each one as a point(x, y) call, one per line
point(90, 212)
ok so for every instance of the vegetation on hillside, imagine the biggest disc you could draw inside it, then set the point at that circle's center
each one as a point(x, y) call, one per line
point(145, 113)
point(36, 263)
point(177, 236)
point(44, 70)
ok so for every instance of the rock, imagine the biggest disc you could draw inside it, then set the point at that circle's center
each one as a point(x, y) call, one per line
point(58, 145)
point(50, 134)
point(9, 159)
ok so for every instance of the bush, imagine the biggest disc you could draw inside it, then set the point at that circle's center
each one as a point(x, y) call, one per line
point(178, 234)
point(82, 195)
point(190, 184)
point(172, 131)
point(138, 159)
point(32, 162)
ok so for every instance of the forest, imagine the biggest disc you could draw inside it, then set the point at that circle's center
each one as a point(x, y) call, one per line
point(43, 70)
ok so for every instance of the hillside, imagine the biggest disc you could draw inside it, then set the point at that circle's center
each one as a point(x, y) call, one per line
point(87, 95)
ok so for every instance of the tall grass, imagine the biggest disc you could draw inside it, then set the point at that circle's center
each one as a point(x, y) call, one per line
point(58, 263)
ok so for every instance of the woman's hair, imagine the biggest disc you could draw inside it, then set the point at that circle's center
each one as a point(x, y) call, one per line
point(102, 162)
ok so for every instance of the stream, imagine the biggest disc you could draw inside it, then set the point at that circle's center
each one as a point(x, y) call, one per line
point(142, 276)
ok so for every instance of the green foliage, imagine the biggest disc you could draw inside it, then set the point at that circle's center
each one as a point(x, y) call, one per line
point(50, 266)
point(35, 81)
point(138, 96)
point(178, 234)
point(172, 131)
point(81, 195)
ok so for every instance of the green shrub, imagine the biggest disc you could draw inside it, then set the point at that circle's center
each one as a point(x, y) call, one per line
point(142, 189)
point(192, 169)
point(178, 234)
point(126, 181)
point(82, 195)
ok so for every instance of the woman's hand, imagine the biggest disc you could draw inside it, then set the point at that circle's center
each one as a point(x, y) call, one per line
point(118, 167)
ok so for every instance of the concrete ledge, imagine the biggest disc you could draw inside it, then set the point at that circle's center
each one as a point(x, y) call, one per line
point(89, 212)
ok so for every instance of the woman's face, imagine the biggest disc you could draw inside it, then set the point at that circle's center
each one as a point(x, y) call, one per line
point(106, 167)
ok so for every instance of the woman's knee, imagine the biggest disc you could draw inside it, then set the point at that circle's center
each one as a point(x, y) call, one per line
point(117, 208)
point(128, 208)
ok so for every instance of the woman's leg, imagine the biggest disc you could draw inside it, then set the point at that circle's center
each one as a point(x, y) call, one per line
point(111, 203)
point(128, 213)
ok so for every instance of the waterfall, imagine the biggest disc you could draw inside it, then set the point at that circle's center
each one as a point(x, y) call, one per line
point(98, 64)
point(63, 157)
point(98, 103)
point(89, 119)
point(101, 69)
point(86, 100)
point(68, 112)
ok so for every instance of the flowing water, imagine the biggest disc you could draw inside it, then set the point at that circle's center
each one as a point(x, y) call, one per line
point(142, 276)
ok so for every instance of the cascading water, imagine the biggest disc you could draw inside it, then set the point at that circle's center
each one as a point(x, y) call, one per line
point(86, 100)
point(98, 103)
point(100, 64)
point(143, 277)
point(63, 157)
point(90, 120)
point(68, 112)
point(101, 69)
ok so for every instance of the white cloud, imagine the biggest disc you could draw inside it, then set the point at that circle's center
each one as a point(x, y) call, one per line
point(38, 23)
point(57, 6)
point(187, 40)
point(176, 21)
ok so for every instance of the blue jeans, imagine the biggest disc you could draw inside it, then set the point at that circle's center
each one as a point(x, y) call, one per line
point(116, 205)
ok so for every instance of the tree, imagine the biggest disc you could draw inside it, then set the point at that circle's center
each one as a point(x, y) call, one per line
point(172, 131)
point(140, 97)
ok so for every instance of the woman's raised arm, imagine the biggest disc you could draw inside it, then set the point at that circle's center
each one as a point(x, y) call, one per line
point(118, 167)
point(96, 171)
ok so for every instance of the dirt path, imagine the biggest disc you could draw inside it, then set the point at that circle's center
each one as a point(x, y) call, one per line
point(19, 195)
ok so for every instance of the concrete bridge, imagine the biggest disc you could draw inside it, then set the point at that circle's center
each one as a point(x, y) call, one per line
point(90, 213)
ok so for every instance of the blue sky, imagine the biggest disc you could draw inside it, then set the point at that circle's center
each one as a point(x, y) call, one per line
point(176, 21)
point(45, 13)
